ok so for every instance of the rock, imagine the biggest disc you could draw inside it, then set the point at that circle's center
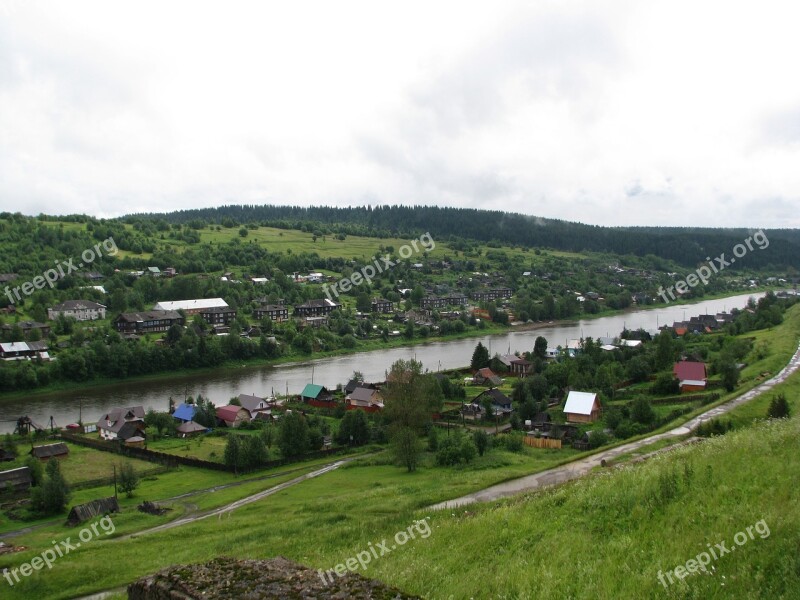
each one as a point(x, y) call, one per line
point(231, 579)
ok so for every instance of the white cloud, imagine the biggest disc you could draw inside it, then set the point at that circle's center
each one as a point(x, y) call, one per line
point(677, 113)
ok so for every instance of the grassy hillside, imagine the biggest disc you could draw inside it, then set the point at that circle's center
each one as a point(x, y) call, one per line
point(606, 536)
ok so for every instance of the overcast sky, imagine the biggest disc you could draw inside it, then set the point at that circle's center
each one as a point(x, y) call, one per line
point(614, 113)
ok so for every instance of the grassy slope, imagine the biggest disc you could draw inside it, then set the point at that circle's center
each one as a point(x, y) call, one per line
point(605, 536)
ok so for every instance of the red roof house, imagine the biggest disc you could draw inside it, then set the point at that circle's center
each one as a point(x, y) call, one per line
point(233, 415)
point(691, 375)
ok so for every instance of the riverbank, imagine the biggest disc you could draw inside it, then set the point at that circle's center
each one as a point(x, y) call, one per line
point(232, 368)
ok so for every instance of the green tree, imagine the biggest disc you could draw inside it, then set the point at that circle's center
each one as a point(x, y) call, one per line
point(665, 351)
point(234, 455)
point(778, 408)
point(254, 452)
point(52, 496)
point(36, 469)
point(293, 439)
point(666, 384)
point(481, 440)
point(480, 357)
point(406, 447)
point(642, 412)
point(354, 428)
point(540, 347)
point(729, 373)
point(128, 479)
point(410, 397)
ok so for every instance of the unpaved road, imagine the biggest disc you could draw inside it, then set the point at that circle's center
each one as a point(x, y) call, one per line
point(582, 466)
point(228, 508)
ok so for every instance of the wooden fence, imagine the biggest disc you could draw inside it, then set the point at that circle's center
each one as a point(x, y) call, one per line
point(535, 442)
point(172, 460)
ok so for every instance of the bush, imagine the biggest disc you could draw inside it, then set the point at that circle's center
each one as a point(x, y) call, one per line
point(778, 408)
point(511, 442)
point(666, 384)
point(128, 479)
point(454, 449)
point(597, 438)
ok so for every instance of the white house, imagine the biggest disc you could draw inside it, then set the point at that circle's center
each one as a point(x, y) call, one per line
point(80, 310)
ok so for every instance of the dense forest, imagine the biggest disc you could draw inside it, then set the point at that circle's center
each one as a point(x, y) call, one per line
point(686, 246)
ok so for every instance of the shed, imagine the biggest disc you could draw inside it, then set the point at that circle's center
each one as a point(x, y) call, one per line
point(190, 428)
point(691, 375)
point(81, 513)
point(20, 479)
point(582, 407)
point(59, 450)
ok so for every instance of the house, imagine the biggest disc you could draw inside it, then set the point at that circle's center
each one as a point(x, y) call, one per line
point(486, 376)
point(351, 386)
point(433, 302)
point(154, 271)
point(48, 451)
point(81, 513)
point(316, 308)
point(232, 415)
point(189, 429)
point(315, 278)
point(16, 351)
point(149, 321)
point(27, 327)
point(582, 407)
point(184, 412)
point(521, 367)
point(218, 315)
point(690, 375)
point(367, 399)
point(276, 312)
point(493, 294)
point(254, 404)
point(317, 395)
point(80, 310)
point(19, 480)
point(379, 305)
point(122, 423)
point(501, 404)
point(313, 322)
point(472, 411)
point(192, 307)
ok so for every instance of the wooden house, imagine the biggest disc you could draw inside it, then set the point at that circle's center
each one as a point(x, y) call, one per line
point(232, 415)
point(582, 407)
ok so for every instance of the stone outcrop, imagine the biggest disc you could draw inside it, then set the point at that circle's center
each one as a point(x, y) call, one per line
point(228, 578)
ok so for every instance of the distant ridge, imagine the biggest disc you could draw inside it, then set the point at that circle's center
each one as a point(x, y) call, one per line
point(685, 245)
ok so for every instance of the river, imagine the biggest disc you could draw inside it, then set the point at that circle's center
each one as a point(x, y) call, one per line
point(222, 384)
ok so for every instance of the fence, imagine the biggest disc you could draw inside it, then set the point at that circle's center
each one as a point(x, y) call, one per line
point(172, 460)
point(102, 481)
point(535, 442)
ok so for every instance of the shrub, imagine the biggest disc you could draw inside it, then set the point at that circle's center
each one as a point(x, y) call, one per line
point(778, 408)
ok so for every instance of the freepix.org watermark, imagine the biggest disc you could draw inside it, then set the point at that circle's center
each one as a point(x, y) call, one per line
point(378, 266)
point(60, 549)
point(699, 563)
point(61, 270)
point(374, 552)
point(703, 273)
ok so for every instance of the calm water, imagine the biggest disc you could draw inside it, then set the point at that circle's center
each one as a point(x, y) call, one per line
point(223, 384)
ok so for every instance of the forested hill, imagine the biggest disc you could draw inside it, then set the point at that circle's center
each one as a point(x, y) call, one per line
point(687, 246)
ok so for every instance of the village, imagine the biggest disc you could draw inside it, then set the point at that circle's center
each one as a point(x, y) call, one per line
point(569, 400)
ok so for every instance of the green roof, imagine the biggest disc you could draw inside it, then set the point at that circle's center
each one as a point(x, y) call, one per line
point(311, 390)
